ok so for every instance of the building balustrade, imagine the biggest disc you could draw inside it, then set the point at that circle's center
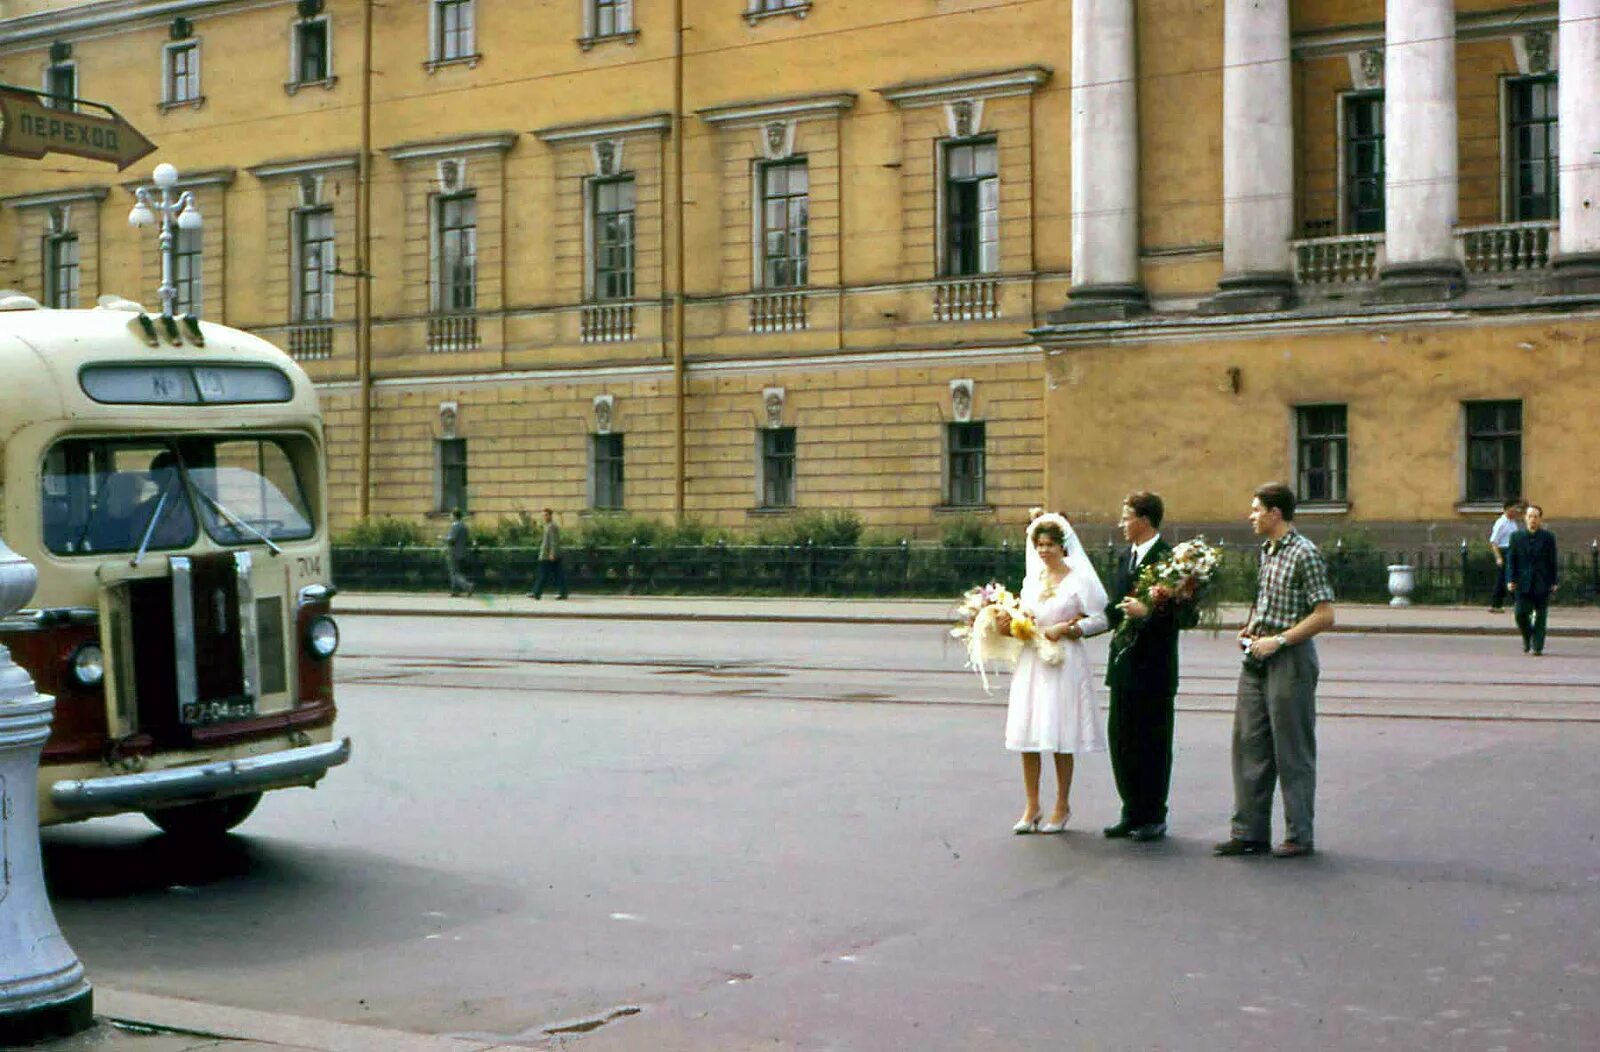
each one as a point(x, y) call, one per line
point(449, 333)
point(970, 299)
point(1348, 259)
point(1505, 248)
point(607, 323)
point(778, 312)
point(311, 342)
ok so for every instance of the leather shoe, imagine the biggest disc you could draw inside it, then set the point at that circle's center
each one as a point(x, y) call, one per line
point(1148, 832)
point(1293, 849)
point(1119, 831)
point(1235, 846)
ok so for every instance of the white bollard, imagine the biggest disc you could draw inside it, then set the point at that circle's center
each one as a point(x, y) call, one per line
point(43, 990)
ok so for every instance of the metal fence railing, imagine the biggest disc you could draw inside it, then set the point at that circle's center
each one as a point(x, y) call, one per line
point(1443, 575)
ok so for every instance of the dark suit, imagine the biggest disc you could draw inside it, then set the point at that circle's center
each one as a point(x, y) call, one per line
point(1143, 678)
point(1531, 570)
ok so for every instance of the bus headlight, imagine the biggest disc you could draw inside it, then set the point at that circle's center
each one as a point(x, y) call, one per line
point(88, 665)
point(322, 636)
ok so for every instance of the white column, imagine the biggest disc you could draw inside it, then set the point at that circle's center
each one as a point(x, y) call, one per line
point(1105, 152)
point(1422, 162)
point(1257, 156)
point(1578, 67)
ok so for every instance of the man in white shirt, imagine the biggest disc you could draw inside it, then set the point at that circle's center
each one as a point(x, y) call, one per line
point(1509, 522)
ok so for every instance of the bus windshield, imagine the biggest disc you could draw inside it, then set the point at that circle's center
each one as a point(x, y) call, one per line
point(122, 495)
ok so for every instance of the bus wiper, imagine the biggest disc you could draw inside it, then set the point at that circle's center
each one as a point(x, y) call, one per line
point(238, 523)
point(150, 530)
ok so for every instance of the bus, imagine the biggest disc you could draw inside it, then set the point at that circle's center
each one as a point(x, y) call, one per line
point(167, 478)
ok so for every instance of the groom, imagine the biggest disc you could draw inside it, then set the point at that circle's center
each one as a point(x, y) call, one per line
point(1142, 676)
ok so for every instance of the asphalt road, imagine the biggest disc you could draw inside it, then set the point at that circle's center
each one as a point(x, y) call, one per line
point(674, 836)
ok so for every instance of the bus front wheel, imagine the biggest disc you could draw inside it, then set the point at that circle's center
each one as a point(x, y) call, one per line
point(209, 819)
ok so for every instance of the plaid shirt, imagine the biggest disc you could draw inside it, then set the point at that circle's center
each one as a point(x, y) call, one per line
point(1292, 580)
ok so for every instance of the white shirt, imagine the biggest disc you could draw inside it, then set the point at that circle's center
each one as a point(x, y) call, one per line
point(1097, 622)
point(1500, 533)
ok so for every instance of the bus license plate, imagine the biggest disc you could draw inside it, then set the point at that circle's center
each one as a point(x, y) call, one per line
point(218, 710)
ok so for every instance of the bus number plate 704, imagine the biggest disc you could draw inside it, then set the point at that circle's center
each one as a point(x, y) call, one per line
point(218, 710)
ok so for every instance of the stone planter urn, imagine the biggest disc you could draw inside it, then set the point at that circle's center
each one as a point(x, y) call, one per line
point(1402, 582)
point(43, 990)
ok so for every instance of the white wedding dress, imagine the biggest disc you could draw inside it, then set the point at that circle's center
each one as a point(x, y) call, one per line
point(1053, 707)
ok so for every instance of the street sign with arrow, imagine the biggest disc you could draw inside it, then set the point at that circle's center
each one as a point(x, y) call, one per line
point(31, 127)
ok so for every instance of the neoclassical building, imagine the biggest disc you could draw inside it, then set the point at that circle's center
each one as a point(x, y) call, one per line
point(918, 260)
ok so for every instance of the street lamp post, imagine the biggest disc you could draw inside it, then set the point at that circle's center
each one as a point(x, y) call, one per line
point(43, 991)
point(176, 211)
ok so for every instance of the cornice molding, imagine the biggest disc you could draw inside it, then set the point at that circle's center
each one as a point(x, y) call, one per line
point(44, 198)
point(305, 165)
point(494, 142)
point(993, 84)
point(796, 107)
point(187, 180)
point(656, 123)
point(1330, 43)
point(44, 26)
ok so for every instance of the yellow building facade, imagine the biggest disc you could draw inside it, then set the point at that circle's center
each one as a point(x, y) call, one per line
point(735, 258)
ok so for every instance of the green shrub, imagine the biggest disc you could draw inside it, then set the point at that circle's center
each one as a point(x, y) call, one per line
point(519, 530)
point(969, 531)
point(825, 529)
point(617, 530)
point(388, 531)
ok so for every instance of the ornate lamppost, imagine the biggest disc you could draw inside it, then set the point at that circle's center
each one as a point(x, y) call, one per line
point(43, 990)
point(176, 212)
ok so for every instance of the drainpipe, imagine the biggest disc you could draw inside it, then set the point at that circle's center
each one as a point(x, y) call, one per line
point(679, 383)
point(364, 269)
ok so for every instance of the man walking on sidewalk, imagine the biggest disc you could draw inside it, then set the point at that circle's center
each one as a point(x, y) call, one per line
point(550, 560)
point(1274, 720)
point(1531, 574)
point(457, 543)
point(1509, 522)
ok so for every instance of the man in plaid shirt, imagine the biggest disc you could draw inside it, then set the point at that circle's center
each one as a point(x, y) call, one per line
point(1274, 720)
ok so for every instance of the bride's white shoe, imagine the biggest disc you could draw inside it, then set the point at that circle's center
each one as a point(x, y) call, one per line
point(1056, 827)
point(1027, 825)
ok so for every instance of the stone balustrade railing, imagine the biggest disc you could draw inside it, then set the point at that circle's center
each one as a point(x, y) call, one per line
point(1504, 248)
point(1348, 259)
point(449, 333)
point(311, 342)
point(966, 299)
point(778, 312)
point(607, 323)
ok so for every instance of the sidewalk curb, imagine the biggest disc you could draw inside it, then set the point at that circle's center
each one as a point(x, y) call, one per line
point(778, 617)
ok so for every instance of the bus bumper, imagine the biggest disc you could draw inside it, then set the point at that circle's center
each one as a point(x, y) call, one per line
point(177, 785)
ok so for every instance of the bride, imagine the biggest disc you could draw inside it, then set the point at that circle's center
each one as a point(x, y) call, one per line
point(1052, 707)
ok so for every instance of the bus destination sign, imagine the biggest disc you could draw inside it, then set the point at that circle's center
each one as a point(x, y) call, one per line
point(29, 127)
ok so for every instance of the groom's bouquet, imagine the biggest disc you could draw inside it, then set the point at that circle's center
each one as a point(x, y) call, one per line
point(978, 624)
point(1180, 578)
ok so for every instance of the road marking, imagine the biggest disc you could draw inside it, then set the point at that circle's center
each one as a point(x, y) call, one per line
point(224, 1021)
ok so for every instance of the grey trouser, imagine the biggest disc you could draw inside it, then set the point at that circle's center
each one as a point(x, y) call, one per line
point(1275, 740)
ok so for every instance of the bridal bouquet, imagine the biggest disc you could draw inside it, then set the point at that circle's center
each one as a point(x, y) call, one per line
point(1180, 578)
point(978, 621)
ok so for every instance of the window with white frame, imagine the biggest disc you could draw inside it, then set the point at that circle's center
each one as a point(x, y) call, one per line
point(61, 84)
point(612, 217)
point(609, 18)
point(186, 271)
point(971, 207)
point(785, 224)
point(777, 467)
point(1363, 163)
point(774, 7)
point(606, 470)
point(1531, 134)
point(181, 76)
point(313, 264)
point(313, 58)
point(456, 240)
point(451, 484)
point(965, 453)
point(61, 269)
point(1322, 453)
point(454, 30)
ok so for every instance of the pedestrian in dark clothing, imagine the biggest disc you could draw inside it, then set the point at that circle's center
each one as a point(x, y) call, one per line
point(550, 560)
point(457, 543)
point(1531, 574)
